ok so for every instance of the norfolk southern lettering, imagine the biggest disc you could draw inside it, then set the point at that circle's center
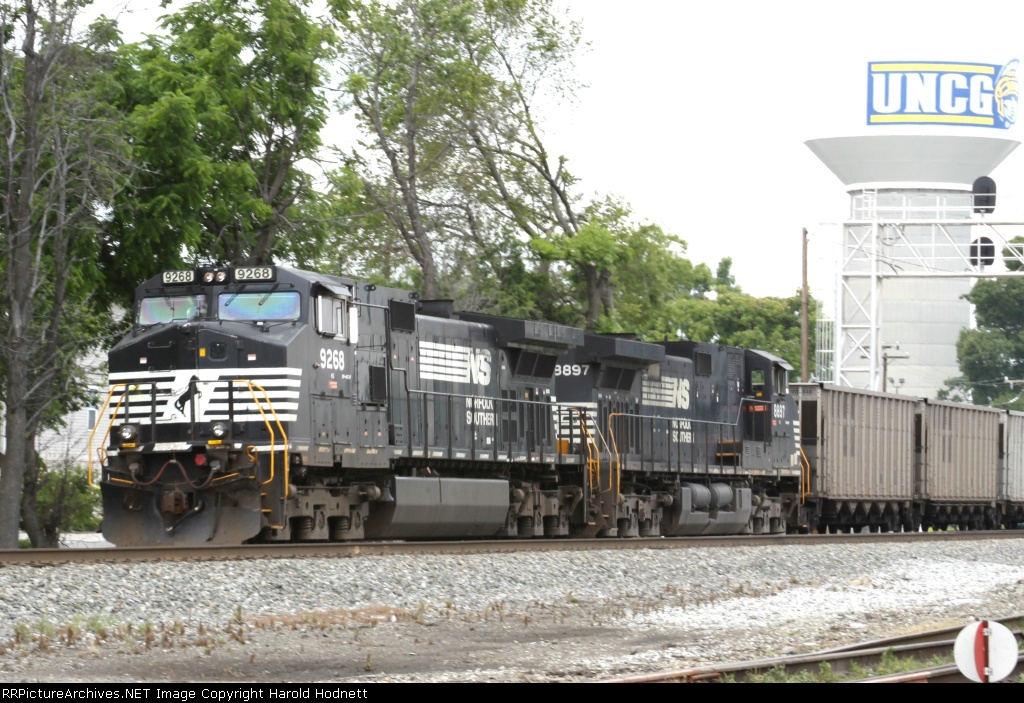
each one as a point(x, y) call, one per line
point(943, 93)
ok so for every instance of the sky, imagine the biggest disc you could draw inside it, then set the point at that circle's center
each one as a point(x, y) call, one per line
point(697, 114)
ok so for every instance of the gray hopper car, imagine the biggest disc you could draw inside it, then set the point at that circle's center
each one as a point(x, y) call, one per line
point(891, 462)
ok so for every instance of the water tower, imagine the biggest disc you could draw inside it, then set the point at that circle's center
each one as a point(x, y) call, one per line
point(917, 237)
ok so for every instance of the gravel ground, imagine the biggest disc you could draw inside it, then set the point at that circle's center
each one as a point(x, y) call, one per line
point(504, 617)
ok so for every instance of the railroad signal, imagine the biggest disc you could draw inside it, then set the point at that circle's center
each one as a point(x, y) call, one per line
point(985, 651)
point(983, 191)
point(983, 252)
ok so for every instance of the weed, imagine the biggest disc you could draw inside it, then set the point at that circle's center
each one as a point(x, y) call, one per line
point(45, 628)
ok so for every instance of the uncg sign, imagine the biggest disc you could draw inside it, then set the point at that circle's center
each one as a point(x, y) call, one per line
point(976, 94)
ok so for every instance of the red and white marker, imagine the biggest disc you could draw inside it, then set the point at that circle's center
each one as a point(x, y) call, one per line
point(985, 651)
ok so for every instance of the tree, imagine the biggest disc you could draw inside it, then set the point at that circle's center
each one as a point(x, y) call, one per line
point(62, 161)
point(403, 75)
point(991, 357)
point(453, 159)
point(734, 318)
point(223, 112)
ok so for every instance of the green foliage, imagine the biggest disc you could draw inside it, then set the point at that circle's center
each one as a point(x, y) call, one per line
point(770, 324)
point(66, 160)
point(67, 500)
point(221, 114)
point(991, 356)
point(452, 160)
point(889, 664)
point(777, 674)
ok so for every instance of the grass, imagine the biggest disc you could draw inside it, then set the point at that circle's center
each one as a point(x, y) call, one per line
point(42, 635)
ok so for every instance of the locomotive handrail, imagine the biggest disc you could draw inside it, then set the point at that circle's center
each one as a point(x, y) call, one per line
point(591, 445)
point(270, 430)
point(639, 416)
point(92, 435)
point(614, 459)
point(805, 476)
point(700, 423)
point(498, 403)
point(259, 407)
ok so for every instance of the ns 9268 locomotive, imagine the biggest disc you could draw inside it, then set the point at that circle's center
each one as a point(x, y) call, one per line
point(272, 404)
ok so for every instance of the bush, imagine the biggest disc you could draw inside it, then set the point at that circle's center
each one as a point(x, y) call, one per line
point(65, 497)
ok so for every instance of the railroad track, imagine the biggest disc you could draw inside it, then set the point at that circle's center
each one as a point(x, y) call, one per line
point(50, 557)
point(844, 662)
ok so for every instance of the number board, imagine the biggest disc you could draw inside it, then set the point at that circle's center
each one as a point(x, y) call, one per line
point(254, 273)
point(173, 277)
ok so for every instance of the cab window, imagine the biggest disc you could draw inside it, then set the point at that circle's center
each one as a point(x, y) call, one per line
point(757, 382)
point(781, 381)
point(331, 317)
point(167, 308)
point(282, 305)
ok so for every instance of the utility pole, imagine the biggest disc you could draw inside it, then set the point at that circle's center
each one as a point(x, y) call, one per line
point(886, 355)
point(805, 361)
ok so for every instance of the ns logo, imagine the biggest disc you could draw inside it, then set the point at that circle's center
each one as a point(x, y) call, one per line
point(668, 393)
point(479, 362)
point(681, 396)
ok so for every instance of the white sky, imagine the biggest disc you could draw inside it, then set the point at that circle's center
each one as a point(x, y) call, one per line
point(696, 114)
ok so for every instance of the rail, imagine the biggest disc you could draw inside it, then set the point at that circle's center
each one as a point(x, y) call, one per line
point(841, 661)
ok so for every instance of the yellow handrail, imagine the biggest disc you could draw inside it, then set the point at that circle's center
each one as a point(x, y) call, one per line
point(615, 452)
point(270, 430)
point(591, 445)
point(805, 476)
point(106, 434)
point(259, 406)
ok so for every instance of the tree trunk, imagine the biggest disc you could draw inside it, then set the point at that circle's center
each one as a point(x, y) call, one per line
point(22, 169)
point(42, 532)
point(593, 297)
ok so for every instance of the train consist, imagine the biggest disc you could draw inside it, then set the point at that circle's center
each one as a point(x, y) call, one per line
point(269, 404)
point(272, 404)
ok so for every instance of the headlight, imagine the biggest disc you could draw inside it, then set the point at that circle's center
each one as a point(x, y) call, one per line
point(219, 430)
point(128, 433)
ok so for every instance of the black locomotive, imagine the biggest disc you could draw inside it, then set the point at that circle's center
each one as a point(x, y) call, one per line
point(272, 404)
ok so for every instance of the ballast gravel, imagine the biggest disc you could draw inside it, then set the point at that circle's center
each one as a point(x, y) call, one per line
point(547, 616)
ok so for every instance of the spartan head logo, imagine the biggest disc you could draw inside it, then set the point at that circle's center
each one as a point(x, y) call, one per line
point(1007, 93)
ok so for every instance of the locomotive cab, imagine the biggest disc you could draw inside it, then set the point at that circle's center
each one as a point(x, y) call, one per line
point(769, 410)
point(203, 418)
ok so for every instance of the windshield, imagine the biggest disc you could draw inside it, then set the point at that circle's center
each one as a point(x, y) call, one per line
point(166, 308)
point(258, 306)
